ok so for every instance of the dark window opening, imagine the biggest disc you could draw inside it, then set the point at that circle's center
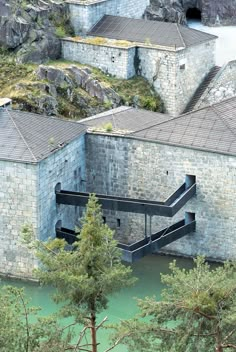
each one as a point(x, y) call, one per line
point(118, 222)
point(194, 14)
point(104, 219)
point(182, 67)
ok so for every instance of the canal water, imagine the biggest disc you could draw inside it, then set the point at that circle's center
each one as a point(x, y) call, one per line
point(225, 44)
point(122, 305)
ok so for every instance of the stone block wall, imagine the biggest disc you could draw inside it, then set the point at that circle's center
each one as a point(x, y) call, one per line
point(66, 166)
point(117, 61)
point(84, 14)
point(159, 68)
point(17, 207)
point(222, 87)
point(198, 61)
point(129, 167)
point(177, 74)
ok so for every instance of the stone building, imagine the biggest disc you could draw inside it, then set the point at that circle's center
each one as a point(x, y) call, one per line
point(85, 13)
point(146, 156)
point(36, 152)
point(173, 58)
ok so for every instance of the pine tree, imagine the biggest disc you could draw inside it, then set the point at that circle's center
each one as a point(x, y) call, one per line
point(87, 275)
point(197, 312)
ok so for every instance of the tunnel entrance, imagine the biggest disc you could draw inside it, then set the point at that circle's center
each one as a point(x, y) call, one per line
point(193, 14)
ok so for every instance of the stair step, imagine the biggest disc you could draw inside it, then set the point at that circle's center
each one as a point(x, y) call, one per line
point(201, 89)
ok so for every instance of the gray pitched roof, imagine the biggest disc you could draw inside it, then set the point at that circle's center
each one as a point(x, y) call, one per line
point(158, 33)
point(126, 120)
point(212, 128)
point(31, 137)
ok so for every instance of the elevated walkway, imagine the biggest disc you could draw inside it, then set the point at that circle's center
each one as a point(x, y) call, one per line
point(152, 241)
point(139, 249)
point(167, 208)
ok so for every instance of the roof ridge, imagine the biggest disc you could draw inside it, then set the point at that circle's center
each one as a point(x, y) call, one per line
point(21, 135)
point(180, 34)
point(63, 119)
point(156, 124)
point(223, 120)
point(110, 112)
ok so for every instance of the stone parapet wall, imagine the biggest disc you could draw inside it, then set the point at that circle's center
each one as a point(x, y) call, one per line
point(17, 207)
point(222, 87)
point(129, 167)
point(117, 61)
point(66, 166)
point(84, 15)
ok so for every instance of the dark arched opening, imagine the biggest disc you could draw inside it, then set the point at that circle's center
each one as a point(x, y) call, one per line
point(194, 14)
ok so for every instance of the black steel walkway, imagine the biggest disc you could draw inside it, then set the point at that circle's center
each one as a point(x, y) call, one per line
point(151, 242)
point(137, 250)
point(167, 208)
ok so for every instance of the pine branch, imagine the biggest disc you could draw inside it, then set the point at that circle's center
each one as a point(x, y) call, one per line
point(102, 322)
point(230, 334)
point(229, 345)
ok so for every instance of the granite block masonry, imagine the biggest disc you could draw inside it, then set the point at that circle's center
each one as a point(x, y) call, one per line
point(84, 14)
point(149, 170)
point(31, 165)
point(175, 75)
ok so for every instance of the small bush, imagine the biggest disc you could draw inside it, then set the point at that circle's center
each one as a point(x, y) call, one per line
point(108, 127)
point(96, 41)
point(60, 32)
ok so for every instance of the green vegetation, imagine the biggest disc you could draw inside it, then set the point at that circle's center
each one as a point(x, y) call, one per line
point(20, 83)
point(108, 127)
point(197, 312)
point(17, 331)
point(85, 276)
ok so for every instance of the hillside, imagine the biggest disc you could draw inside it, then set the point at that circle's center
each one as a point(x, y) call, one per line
point(70, 90)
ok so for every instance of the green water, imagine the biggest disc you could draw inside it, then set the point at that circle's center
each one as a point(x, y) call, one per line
point(121, 305)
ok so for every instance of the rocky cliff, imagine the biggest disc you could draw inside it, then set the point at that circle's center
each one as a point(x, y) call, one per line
point(212, 12)
point(70, 90)
point(31, 28)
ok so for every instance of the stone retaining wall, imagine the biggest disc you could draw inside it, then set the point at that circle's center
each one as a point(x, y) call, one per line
point(128, 167)
point(115, 60)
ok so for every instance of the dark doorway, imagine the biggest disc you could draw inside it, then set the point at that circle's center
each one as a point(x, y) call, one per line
point(193, 14)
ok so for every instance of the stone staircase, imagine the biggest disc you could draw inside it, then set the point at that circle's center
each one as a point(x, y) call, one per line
point(201, 89)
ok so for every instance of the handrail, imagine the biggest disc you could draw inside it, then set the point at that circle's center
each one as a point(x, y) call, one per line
point(139, 249)
point(132, 205)
point(155, 242)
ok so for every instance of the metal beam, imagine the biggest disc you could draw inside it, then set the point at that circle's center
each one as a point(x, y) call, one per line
point(140, 206)
point(155, 242)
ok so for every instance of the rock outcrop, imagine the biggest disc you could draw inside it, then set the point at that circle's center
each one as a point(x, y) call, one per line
point(65, 83)
point(213, 13)
point(73, 91)
point(30, 28)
